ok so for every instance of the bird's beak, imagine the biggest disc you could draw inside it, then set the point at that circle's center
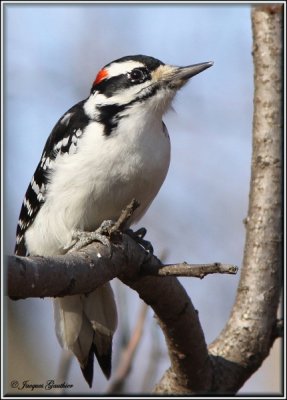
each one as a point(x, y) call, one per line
point(191, 70)
point(176, 77)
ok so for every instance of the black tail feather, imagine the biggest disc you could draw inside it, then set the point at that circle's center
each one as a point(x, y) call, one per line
point(104, 360)
point(88, 370)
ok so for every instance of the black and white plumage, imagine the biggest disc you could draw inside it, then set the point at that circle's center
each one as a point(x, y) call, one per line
point(103, 152)
point(63, 139)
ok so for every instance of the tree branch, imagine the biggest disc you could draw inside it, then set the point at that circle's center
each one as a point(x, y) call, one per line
point(83, 271)
point(190, 270)
point(183, 333)
point(249, 333)
point(94, 265)
point(73, 273)
point(252, 327)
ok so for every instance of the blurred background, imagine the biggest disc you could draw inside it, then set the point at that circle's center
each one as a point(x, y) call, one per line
point(52, 55)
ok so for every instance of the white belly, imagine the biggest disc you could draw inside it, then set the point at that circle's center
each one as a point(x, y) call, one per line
point(98, 181)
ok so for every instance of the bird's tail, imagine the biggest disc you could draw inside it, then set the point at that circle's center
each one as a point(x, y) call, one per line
point(85, 324)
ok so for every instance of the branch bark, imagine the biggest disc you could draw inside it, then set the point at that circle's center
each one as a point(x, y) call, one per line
point(83, 271)
point(250, 331)
point(248, 335)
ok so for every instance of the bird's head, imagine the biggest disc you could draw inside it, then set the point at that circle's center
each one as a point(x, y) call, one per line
point(139, 82)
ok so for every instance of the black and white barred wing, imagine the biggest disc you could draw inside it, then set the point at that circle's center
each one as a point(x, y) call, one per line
point(63, 139)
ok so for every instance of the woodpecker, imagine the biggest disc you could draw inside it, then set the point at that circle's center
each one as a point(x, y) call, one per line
point(103, 152)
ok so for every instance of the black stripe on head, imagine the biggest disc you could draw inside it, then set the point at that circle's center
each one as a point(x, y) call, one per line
point(109, 86)
point(115, 84)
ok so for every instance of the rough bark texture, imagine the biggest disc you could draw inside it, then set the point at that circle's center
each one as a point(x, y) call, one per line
point(249, 333)
point(251, 329)
point(94, 265)
point(73, 273)
point(191, 366)
point(84, 271)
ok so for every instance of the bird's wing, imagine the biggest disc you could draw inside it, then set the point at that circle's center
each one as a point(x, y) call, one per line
point(63, 139)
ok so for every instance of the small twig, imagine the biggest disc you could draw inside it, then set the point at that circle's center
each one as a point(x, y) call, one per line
point(124, 217)
point(128, 353)
point(191, 270)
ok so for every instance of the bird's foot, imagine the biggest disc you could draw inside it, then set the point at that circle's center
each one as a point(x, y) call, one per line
point(81, 239)
point(138, 236)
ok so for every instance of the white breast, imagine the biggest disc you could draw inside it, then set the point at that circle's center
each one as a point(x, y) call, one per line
point(99, 180)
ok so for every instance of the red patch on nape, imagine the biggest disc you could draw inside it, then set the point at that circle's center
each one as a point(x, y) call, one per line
point(101, 75)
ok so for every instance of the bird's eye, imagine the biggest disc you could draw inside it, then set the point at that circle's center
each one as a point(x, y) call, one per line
point(137, 75)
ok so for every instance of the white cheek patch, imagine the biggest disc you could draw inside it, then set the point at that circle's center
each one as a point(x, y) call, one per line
point(120, 97)
point(123, 97)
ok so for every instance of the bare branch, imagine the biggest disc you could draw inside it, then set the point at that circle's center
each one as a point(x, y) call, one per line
point(85, 270)
point(249, 333)
point(252, 328)
point(248, 336)
point(124, 217)
point(191, 366)
point(190, 270)
point(73, 273)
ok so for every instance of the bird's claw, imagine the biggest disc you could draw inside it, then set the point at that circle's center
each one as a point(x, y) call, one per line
point(81, 239)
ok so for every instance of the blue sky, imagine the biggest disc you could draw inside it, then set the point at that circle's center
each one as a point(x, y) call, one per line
point(52, 55)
